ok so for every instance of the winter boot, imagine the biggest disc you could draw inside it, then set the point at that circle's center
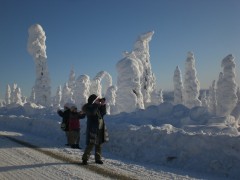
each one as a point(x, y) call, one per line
point(84, 162)
point(77, 146)
point(73, 146)
point(98, 161)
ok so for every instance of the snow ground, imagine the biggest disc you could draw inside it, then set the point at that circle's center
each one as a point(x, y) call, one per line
point(20, 162)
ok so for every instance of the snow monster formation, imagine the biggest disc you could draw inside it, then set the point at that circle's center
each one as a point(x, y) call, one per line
point(96, 87)
point(178, 86)
point(82, 90)
point(129, 96)
point(136, 84)
point(148, 80)
point(191, 83)
point(37, 48)
point(227, 87)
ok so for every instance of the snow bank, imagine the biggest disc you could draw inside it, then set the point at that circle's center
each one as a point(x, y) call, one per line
point(169, 135)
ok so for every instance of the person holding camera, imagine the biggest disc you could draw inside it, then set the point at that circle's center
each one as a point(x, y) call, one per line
point(96, 132)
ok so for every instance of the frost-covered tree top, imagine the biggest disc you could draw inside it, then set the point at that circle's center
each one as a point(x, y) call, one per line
point(36, 41)
point(13, 93)
point(111, 99)
point(212, 101)
point(156, 97)
point(72, 80)
point(191, 83)
point(32, 97)
point(18, 96)
point(66, 95)
point(58, 97)
point(8, 95)
point(141, 48)
point(96, 83)
point(178, 86)
point(103, 74)
point(227, 87)
point(204, 99)
point(82, 90)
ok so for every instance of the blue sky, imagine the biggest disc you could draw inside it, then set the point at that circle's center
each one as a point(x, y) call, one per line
point(90, 36)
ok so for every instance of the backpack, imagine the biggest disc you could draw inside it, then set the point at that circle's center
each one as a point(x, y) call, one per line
point(63, 126)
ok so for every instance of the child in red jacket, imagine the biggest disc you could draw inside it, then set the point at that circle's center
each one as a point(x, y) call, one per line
point(74, 127)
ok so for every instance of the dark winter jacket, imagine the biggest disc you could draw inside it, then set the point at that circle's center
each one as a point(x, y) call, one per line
point(65, 118)
point(74, 123)
point(94, 113)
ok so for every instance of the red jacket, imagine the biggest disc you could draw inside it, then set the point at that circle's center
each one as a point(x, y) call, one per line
point(74, 121)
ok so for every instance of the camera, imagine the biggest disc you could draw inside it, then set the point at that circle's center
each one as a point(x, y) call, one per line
point(102, 100)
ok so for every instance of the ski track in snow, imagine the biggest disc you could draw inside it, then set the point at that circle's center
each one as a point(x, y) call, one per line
point(19, 162)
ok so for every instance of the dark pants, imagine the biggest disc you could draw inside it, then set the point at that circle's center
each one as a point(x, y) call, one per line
point(68, 137)
point(87, 152)
point(74, 137)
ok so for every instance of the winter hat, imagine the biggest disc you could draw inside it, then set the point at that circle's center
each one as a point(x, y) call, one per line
point(67, 105)
point(92, 98)
point(73, 107)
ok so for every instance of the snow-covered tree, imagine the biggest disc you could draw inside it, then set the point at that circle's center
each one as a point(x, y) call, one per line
point(13, 93)
point(178, 86)
point(37, 48)
point(148, 80)
point(212, 101)
point(129, 95)
point(32, 97)
point(156, 97)
point(219, 92)
point(204, 99)
point(58, 97)
point(66, 95)
point(191, 83)
point(236, 111)
point(18, 96)
point(72, 80)
point(110, 97)
point(8, 95)
point(96, 85)
point(227, 87)
point(24, 99)
point(82, 90)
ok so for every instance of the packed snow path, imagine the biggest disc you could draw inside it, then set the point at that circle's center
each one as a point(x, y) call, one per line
point(21, 160)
